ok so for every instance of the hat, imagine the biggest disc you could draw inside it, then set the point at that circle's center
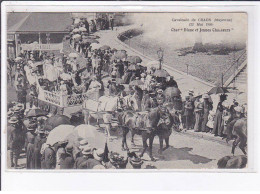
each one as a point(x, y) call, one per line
point(143, 74)
point(41, 131)
point(205, 96)
point(32, 125)
point(86, 150)
point(83, 143)
point(238, 109)
point(20, 105)
point(160, 91)
point(17, 109)
point(13, 120)
point(69, 148)
point(136, 162)
point(10, 113)
point(98, 154)
point(191, 92)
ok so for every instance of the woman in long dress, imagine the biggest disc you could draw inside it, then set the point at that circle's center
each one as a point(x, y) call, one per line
point(218, 122)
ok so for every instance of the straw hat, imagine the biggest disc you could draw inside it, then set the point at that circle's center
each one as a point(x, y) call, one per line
point(86, 150)
point(13, 120)
point(83, 143)
point(98, 154)
point(238, 109)
point(204, 96)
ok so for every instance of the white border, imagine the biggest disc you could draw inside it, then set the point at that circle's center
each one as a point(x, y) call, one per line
point(179, 179)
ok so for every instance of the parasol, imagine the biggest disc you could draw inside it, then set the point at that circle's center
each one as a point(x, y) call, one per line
point(95, 138)
point(155, 64)
point(161, 73)
point(36, 112)
point(76, 30)
point(136, 83)
point(73, 55)
point(95, 45)
point(55, 121)
point(59, 133)
point(65, 76)
point(82, 29)
point(218, 90)
point(133, 67)
point(89, 40)
point(105, 47)
point(134, 59)
point(120, 55)
point(172, 92)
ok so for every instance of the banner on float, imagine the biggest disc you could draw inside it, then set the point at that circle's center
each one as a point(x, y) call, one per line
point(42, 47)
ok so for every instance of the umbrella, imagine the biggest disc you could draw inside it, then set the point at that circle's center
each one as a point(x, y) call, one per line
point(95, 45)
point(134, 59)
point(95, 138)
point(155, 64)
point(136, 83)
point(59, 133)
point(82, 29)
point(18, 59)
point(133, 67)
point(36, 112)
point(73, 55)
point(89, 40)
point(161, 73)
point(105, 47)
point(55, 121)
point(172, 92)
point(65, 76)
point(75, 30)
point(218, 90)
point(120, 55)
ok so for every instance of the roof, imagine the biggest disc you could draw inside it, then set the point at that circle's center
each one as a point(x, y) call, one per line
point(39, 22)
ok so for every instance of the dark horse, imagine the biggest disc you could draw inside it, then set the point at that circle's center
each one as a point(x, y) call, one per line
point(147, 124)
point(240, 131)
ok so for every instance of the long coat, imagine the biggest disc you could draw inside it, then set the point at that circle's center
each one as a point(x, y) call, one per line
point(38, 141)
point(218, 124)
point(48, 160)
point(30, 160)
point(67, 162)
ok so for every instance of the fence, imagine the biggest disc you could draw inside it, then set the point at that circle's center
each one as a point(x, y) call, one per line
point(234, 68)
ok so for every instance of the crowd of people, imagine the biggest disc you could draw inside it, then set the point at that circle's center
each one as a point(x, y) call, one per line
point(107, 71)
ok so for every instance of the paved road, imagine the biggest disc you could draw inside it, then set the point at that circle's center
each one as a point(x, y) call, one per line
point(185, 152)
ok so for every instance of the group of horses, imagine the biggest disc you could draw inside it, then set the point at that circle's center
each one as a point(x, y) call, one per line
point(158, 121)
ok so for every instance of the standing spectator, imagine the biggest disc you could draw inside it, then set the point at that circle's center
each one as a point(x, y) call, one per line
point(39, 140)
point(188, 112)
point(218, 126)
point(48, 160)
point(207, 106)
point(16, 141)
point(67, 161)
point(198, 112)
point(29, 141)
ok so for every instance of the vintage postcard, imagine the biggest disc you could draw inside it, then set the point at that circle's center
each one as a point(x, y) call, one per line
point(126, 90)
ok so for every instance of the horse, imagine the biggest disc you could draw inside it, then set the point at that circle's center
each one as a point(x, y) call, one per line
point(240, 131)
point(146, 124)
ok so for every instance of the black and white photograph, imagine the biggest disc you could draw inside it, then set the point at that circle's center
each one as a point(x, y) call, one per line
point(126, 90)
